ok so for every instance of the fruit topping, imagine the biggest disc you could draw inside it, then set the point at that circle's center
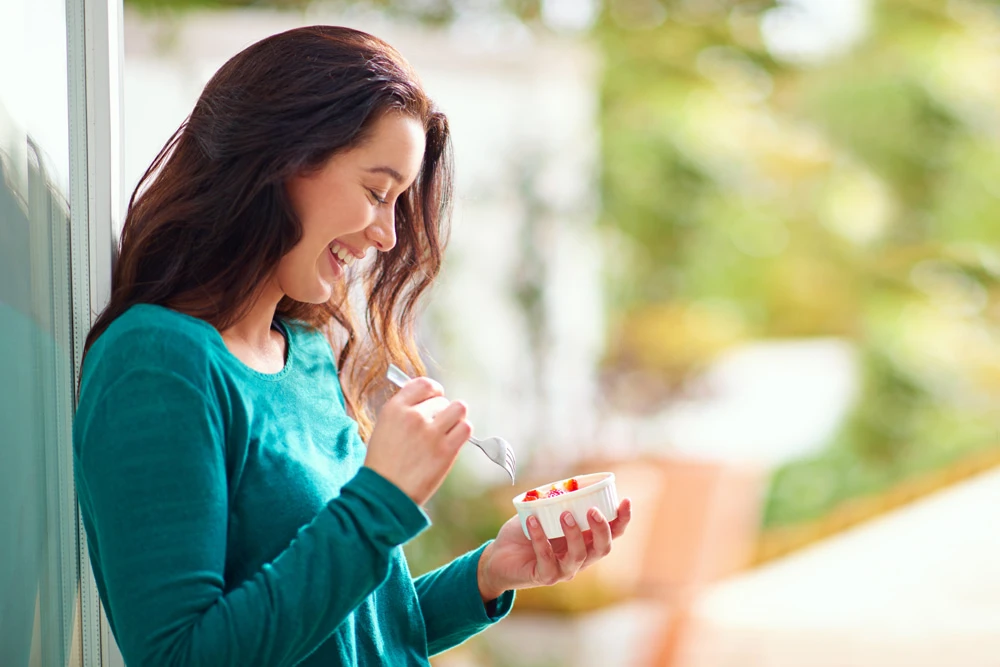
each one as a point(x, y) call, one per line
point(567, 486)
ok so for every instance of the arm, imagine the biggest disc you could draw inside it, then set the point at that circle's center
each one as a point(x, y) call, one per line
point(151, 466)
point(452, 605)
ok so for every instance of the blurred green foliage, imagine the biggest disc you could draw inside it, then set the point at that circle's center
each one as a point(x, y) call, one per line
point(427, 12)
point(184, 5)
point(856, 196)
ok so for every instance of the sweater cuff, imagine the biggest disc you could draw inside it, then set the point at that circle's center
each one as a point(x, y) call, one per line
point(391, 514)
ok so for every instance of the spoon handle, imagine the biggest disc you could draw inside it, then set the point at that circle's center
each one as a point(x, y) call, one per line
point(397, 376)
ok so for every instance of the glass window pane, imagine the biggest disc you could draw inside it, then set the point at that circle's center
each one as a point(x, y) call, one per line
point(39, 576)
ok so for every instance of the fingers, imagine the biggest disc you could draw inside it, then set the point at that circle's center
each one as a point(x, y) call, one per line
point(603, 533)
point(418, 390)
point(547, 569)
point(427, 396)
point(619, 525)
point(457, 435)
point(561, 559)
point(601, 530)
point(576, 547)
point(451, 416)
point(432, 407)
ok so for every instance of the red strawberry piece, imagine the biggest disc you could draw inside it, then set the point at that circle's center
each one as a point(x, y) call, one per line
point(531, 495)
point(571, 484)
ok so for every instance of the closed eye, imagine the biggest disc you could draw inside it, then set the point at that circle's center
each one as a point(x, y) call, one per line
point(377, 198)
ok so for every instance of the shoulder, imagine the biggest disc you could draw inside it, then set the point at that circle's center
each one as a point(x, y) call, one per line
point(153, 338)
point(151, 380)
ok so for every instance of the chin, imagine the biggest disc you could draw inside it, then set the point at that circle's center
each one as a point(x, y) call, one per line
point(315, 294)
point(318, 297)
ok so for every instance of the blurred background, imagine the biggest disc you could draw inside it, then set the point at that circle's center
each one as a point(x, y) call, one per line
point(741, 253)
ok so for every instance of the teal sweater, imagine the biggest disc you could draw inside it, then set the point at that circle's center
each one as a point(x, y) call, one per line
point(230, 520)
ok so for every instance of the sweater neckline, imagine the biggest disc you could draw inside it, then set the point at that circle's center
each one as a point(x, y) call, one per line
point(279, 324)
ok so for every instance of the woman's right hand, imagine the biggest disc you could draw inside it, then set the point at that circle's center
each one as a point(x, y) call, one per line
point(417, 437)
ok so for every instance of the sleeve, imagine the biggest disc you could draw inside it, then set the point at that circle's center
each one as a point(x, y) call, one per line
point(452, 607)
point(152, 477)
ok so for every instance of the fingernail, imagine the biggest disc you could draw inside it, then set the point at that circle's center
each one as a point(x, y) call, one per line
point(532, 522)
point(568, 518)
point(595, 514)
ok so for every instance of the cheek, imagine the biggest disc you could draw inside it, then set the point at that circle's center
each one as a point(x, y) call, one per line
point(300, 274)
point(301, 261)
point(334, 217)
point(289, 269)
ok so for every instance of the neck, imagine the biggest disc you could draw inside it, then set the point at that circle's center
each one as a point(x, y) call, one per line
point(254, 328)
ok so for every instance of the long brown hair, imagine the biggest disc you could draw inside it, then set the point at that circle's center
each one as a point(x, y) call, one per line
point(210, 218)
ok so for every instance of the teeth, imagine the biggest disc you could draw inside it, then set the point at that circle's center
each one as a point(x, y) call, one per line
point(345, 255)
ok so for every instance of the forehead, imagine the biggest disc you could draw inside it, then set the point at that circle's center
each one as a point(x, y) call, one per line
point(393, 140)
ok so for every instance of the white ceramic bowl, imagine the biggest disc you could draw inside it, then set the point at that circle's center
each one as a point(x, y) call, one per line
point(596, 490)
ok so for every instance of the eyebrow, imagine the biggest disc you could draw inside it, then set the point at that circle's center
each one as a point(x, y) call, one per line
point(387, 170)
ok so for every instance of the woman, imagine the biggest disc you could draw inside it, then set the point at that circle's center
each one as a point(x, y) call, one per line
point(242, 506)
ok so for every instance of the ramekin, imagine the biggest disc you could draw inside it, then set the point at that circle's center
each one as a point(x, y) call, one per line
point(596, 490)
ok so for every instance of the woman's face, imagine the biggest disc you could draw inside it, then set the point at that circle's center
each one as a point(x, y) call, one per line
point(348, 205)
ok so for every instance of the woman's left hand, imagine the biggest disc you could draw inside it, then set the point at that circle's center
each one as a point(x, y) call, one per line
point(512, 561)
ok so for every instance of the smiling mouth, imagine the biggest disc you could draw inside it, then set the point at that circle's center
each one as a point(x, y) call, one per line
point(343, 256)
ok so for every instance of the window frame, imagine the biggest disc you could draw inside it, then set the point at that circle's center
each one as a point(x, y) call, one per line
point(94, 40)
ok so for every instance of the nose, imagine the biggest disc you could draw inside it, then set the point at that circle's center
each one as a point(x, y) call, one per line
point(382, 232)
